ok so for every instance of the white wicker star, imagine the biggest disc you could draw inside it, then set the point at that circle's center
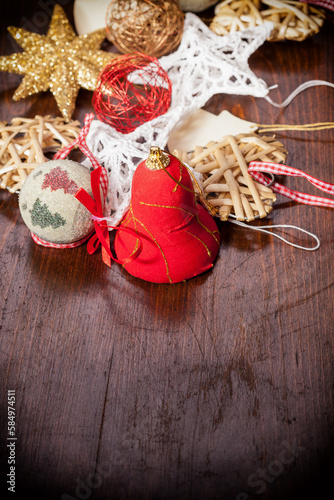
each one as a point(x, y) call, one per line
point(204, 64)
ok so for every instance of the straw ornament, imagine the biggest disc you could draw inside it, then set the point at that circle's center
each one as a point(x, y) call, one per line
point(227, 185)
point(291, 20)
point(25, 141)
point(153, 28)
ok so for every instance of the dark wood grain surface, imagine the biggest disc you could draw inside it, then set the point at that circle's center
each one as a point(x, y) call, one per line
point(217, 388)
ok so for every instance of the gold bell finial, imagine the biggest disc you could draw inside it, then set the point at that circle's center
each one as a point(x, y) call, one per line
point(157, 160)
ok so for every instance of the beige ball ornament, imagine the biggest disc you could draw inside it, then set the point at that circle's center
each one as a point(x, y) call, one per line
point(48, 205)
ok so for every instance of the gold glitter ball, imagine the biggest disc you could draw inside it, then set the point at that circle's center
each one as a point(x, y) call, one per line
point(59, 61)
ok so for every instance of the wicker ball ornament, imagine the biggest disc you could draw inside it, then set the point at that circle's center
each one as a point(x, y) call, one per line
point(130, 91)
point(153, 28)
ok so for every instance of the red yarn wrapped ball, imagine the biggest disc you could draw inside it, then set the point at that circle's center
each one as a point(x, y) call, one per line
point(131, 90)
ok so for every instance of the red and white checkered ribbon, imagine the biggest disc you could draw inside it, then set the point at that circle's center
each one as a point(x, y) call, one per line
point(61, 155)
point(48, 244)
point(257, 167)
point(82, 144)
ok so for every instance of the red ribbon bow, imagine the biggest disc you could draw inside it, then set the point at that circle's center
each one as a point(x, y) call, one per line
point(101, 236)
point(99, 179)
point(94, 206)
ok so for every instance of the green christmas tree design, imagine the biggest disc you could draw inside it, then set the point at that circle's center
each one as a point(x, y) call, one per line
point(41, 216)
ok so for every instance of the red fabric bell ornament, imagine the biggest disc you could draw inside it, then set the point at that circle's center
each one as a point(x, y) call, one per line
point(179, 237)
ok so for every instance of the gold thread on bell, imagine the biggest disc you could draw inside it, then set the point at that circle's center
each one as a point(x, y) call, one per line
point(157, 160)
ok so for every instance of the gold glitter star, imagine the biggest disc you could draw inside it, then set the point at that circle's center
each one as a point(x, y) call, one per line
point(59, 61)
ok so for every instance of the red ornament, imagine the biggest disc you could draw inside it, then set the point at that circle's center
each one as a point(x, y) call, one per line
point(179, 237)
point(131, 90)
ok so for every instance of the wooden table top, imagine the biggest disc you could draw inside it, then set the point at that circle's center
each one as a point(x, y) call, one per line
point(220, 387)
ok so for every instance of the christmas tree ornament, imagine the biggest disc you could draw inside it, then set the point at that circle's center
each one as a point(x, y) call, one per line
point(130, 91)
point(153, 28)
point(291, 20)
point(179, 237)
point(24, 142)
point(59, 61)
point(48, 205)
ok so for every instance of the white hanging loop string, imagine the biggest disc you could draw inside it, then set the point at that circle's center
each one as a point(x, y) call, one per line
point(298, 90)
point(264, 229)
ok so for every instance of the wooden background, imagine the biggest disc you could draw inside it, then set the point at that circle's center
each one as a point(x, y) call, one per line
point(217, 388)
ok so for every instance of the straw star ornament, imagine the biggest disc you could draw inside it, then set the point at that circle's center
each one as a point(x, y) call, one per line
point(59, 61)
